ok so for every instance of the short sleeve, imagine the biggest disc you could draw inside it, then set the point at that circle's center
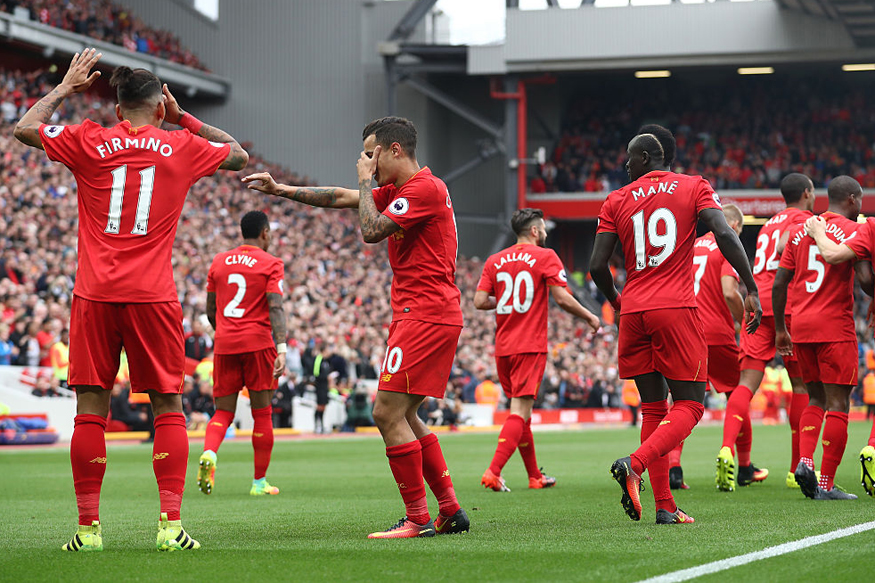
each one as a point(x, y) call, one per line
point(275, 278)
point(554, 271)
point(62, 143)
point(727, 270)
point(381, 197)
point(204, 157)
point(211, 278)
point(487, 281)
point(706, 198)
point(788, 257)
point(415, 204)
point(607, 223)
point(861, 242)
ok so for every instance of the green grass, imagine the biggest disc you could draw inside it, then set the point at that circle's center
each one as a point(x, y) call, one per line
point(334, 492)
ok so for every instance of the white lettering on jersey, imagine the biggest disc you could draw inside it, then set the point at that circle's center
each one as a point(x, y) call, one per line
point(667, 187)
point(241, 260)
point(399, 206)
point(105, 149)
point(511, 257)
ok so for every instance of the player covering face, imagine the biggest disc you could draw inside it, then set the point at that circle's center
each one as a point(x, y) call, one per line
point(661, 340)
point(411, 208)
point(125, 296)
point(515, 283)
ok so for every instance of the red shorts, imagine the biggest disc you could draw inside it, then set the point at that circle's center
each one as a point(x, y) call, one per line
point(520, 375)
point(833, 363)
point(419, 358)
point(758, 349)
point(151, 335)
point(253, 370)
point(670, 341)
point(723, 366)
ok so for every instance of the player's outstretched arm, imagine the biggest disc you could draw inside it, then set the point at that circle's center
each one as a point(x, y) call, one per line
point(831, 252)
point(211, 309)
point(278, 327)
point(76, 80)
point(237, 158)
point(600, 269)
point(779, 304)
point(733, 297)
point(483, 301)
point(375, 225)
point(569, 303)
point(730, 247)
point(325, 197)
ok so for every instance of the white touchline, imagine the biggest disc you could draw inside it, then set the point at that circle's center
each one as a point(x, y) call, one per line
point(722, 565)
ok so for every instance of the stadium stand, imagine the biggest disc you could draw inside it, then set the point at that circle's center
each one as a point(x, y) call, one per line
point(816, 125)
point(109, 22)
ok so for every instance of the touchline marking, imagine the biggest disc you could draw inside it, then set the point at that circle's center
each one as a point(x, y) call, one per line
point(767, 553)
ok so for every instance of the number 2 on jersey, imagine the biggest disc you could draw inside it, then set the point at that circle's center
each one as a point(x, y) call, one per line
point(760, 261)
point(117, 195)
point(513, 289)
point(667, 241)
point(231, 310)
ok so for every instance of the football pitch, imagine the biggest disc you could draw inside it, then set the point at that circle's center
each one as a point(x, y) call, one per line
point(335, 491)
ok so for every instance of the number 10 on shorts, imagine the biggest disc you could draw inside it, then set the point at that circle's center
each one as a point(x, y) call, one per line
point(392, 361)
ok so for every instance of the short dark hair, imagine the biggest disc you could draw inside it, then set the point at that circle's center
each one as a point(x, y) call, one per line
point(793, 185)
point(665, 138)
point(841, 187)
point(522, 219)
point(389, 130)
point(135, 87)
point(252, 224)
point(650, 144)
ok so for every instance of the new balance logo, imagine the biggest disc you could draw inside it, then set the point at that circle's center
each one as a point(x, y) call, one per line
point(258, 435)
point(526, 444)
point(446, 474)
point(808, 428)
point(739, 417)
point(386, 378)
point(160, 456)
point(501, 440)
point(216, 424)
point(402, 486)
point(98, 460)
point(825, 443)
point(665, 422)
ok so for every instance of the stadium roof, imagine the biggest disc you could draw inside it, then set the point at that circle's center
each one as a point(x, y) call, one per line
point(858, 16)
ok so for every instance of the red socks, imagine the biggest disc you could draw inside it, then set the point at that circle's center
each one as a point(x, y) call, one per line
point(737, 408)
point(262, 439)
point(798, 402)
point(88, 458)
point(217, 428)
point(169, 458)
point(674, 428)
point(652, 414)
point(405, 460)
point(527, 451)
point(809, 430)
point(835, 438)
point(744, 441)
point(435, 472)
point(508, 441)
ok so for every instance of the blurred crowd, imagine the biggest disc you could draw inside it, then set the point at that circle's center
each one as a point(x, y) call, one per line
point(763, 129)
point(109, 22)
point(337, 297)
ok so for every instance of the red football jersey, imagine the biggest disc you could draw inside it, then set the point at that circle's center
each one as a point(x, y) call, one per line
point(519, 277)
point(423, 253)
point(864, 242)
point(655, 219)
point(709, 268)
point(132, 183)
point(766, 261)
point(241, 279)
point(822, 295)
